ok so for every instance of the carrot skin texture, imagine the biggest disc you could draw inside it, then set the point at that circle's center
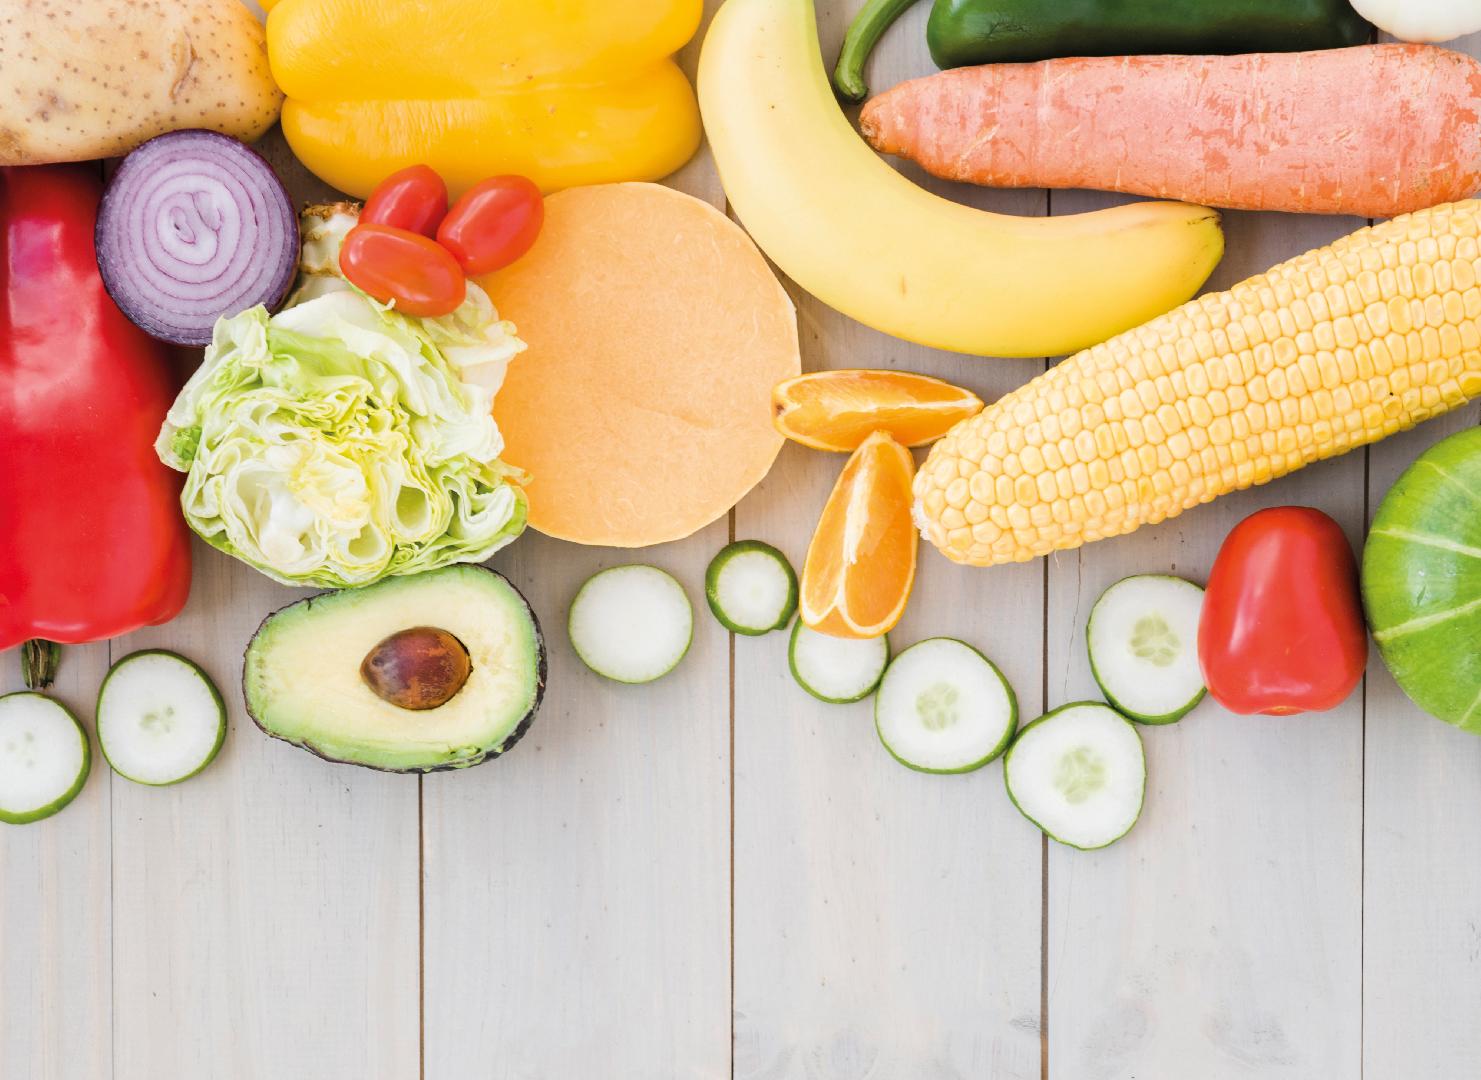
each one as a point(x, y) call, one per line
point(1373, 131)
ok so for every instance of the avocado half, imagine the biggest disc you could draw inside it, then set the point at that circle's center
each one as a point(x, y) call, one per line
point(303, 678)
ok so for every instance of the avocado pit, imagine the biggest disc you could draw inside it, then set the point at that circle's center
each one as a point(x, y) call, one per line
point(418, 669)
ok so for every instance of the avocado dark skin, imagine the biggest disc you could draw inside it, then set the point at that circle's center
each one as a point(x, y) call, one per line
point(541, 675)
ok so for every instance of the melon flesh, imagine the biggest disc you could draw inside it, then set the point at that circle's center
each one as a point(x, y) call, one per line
point(656, 330)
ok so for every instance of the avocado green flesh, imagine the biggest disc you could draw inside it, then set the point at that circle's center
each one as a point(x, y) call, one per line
point(302, 676)
point(1422, 580)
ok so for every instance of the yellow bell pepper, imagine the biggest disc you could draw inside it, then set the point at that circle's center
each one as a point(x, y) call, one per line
point(566, 92)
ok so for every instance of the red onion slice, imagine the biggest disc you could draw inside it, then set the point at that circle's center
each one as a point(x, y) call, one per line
point(195, 226)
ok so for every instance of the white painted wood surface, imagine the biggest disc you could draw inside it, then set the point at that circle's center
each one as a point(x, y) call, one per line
point(1226, 928)
point(1422, 849)
point(578, 905)
point(718, 876)
point(887, 924)
point(56, 912)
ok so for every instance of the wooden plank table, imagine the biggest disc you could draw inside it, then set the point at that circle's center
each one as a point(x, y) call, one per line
point(718, 876)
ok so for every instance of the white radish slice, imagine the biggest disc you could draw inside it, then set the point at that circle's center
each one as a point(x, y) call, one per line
point(631, 624)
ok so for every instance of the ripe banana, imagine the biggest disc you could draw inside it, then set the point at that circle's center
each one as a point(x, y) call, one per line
point(862, 238)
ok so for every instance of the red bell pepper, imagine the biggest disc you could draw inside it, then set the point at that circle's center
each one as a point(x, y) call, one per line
point(92, 540)
point(1282, 626)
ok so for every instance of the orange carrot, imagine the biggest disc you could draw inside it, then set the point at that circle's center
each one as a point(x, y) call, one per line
point(1374, 131)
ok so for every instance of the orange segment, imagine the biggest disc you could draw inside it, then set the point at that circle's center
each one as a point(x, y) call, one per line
point(861, 563)
point(837, 410)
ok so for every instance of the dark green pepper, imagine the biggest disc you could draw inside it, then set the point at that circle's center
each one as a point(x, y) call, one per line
point(964, 32)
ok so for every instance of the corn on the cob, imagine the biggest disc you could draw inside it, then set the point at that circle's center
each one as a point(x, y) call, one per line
point(1327, 352)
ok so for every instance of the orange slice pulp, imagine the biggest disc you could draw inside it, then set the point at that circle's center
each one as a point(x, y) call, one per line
point(837, 410)
point(861, 563)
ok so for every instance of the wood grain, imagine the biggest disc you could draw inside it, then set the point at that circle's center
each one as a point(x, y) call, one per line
point(578, 893)
point(886, 923)
point(1222, 937)
point(56, 917)
point(272, 899)
point(1421, 848)
point(1422, 857)
point(266, 912)
point(718, 876)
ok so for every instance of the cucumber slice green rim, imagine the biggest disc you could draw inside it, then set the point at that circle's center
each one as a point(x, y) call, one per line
point(1142, 637)
point(631, 624)
point(161, 719)
point(45, 757)
point(1079, 773)
point(751, 588)
point(944, 708)
point(837, 670)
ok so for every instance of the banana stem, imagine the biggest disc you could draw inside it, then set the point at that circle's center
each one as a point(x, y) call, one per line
point(869, 25)
point(39, 660)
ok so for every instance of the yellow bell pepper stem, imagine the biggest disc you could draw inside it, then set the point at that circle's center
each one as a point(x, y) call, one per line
point(566, 92)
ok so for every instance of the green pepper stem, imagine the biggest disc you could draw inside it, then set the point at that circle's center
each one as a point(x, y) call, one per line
point(869, 25)
point(39, 660)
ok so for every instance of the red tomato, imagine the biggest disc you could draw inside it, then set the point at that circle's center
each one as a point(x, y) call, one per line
point(413, 199)
point(493, 224)
point(1282, 627)
point(393, 264)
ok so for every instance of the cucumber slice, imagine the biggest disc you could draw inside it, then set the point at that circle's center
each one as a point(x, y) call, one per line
point(160, 718)
point(943, 707)
point(44, 757)
point(836, 670)
point(631, 624)
point(1143, 641)
point(751, 588)
point(1079, 773)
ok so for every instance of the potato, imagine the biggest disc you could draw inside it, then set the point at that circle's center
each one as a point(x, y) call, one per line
point(83, 79)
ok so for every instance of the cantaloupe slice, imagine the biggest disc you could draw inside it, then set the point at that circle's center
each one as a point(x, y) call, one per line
point(656, 330)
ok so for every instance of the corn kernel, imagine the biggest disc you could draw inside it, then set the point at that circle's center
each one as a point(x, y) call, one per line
point(1324, 353)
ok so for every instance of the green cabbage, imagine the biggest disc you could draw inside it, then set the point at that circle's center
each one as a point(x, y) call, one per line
point(339, 442)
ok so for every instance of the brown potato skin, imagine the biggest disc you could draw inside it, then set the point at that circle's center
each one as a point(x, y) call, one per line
point(86, 79)
point(420, 668)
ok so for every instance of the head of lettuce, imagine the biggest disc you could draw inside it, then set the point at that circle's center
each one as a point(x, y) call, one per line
point(339, 442)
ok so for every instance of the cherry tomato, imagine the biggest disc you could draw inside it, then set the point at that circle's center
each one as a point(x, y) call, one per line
point(413, 199)
point(1282, 626)
point(394, 264)
point(493, 224)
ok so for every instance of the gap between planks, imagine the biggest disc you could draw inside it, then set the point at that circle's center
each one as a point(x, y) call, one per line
point(421, 928)
point(1363, 811)
point(1363, 778)
point(730, 646)
point(1044, 849)
point(112, 949)
point(1044, 839)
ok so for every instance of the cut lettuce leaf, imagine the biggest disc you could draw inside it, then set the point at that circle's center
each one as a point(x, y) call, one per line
point(339, 442)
